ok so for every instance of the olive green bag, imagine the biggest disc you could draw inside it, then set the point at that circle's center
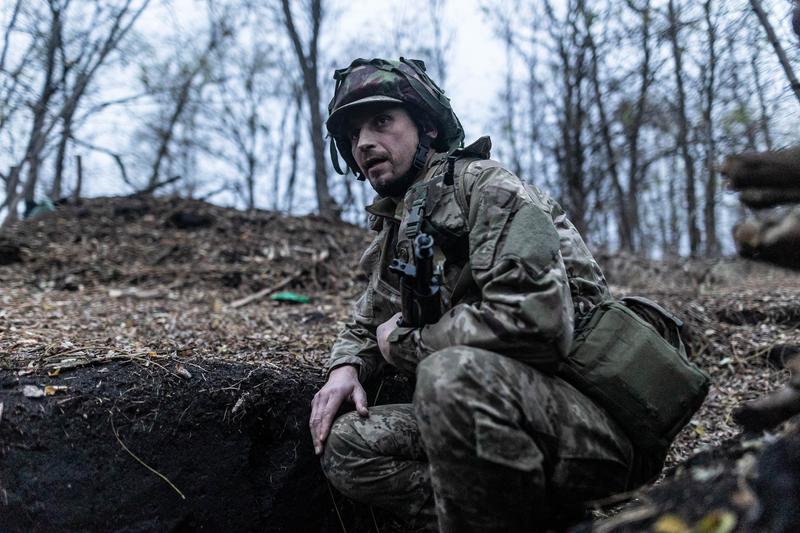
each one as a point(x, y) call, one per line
point(640, 376)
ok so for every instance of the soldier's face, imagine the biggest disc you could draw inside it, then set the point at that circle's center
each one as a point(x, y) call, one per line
point(384, 140)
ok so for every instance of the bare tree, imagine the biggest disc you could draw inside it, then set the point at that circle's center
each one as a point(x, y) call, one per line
point(709, 91)
point(683, 129)
point(64, 80)
point(570, 152)
point(796, 18)
point(308, 60)
point(38, 133)
point(762, 100)
point(758, 9)
point(246, 78)
point(192, 77)
point(77, 72)
point(624, 226)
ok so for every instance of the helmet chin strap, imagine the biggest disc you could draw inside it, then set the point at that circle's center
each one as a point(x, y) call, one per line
point(420, 159)
point(421, 155)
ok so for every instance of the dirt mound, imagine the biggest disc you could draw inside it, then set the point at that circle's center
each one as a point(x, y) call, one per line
point(145, 241)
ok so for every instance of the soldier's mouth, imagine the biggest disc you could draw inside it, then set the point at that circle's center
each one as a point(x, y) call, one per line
point(369, 164)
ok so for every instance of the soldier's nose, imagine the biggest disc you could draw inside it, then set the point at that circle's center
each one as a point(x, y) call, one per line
point(366, 141)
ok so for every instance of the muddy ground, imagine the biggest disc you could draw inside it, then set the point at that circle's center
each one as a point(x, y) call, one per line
point(140, 392)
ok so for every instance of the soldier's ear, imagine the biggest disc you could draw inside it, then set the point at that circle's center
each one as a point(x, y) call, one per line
point(431, 131)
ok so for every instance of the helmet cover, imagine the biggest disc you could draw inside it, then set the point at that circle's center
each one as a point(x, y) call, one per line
point(404, 82)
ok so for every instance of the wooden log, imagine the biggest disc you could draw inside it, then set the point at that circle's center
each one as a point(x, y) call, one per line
point(757, 198)
point(778, 169)
point(776, 240)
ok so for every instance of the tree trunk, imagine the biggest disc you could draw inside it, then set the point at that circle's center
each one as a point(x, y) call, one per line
point(293, 159)
point(66, 134)
point(636, 169)
point(624, 229)
point(683, 134)
point(509, 99)
point(709, 211)
point(309, 67)
point(76, 194)
point(279, 150)
point(762, 105)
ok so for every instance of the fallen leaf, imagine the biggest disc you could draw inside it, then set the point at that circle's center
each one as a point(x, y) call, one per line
point(670, 523)
point(32, 391)
point(51, 390)
point(182, 372)
point(718, 521)
point(239, 403)
point(53, 373)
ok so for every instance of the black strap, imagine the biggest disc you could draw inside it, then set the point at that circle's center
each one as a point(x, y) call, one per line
point(464, 282)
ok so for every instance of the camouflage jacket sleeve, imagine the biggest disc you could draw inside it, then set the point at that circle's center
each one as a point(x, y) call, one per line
point(356, 343)
point(525, 309)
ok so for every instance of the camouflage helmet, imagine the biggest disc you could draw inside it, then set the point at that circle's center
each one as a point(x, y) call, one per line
point(369, 81)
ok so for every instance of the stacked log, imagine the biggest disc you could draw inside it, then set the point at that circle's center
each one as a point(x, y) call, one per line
point(768, 180)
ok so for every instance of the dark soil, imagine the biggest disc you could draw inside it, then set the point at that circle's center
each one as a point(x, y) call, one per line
point(232, 441)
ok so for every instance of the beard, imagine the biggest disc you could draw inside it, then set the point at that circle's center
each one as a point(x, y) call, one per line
point(396, 187)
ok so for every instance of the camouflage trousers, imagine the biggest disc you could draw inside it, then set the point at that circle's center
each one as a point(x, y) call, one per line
point(488, 444)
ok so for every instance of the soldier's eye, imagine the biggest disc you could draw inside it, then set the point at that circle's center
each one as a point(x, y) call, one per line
point(354, 135)
point(382, 120)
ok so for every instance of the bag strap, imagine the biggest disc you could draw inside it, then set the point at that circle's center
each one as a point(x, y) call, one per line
point(464, 282)
point(646, 302)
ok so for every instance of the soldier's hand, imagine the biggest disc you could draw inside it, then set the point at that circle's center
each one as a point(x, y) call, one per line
point(342, 385)
point(382, 334)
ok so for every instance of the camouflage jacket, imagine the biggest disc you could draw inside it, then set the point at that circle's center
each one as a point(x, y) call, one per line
point(531, 270)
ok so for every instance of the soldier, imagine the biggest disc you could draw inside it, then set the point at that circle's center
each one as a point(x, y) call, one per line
point(493, 440)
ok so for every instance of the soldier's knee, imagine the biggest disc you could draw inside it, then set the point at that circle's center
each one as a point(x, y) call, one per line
point(342, 453)
point(446, 381)
point(439, 371)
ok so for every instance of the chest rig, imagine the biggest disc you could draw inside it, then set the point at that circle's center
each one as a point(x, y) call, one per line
point(416, 261)
point(437, 208)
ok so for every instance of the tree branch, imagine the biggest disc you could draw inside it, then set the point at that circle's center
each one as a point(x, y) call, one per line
point(779, 51)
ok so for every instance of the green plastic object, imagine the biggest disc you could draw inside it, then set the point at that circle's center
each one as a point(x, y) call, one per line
point(290, 297)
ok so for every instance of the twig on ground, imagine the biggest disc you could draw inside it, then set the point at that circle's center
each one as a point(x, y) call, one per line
point(153, 470)
point(375, 522)
point(336, 507)
point(262, 293)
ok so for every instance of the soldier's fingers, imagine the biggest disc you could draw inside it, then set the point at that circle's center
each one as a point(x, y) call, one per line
point(326, 419)
point(314, 417)
point(359, 398)
point(314, 423)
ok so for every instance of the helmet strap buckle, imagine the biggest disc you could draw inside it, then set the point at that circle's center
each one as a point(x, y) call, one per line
point(421, 155)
